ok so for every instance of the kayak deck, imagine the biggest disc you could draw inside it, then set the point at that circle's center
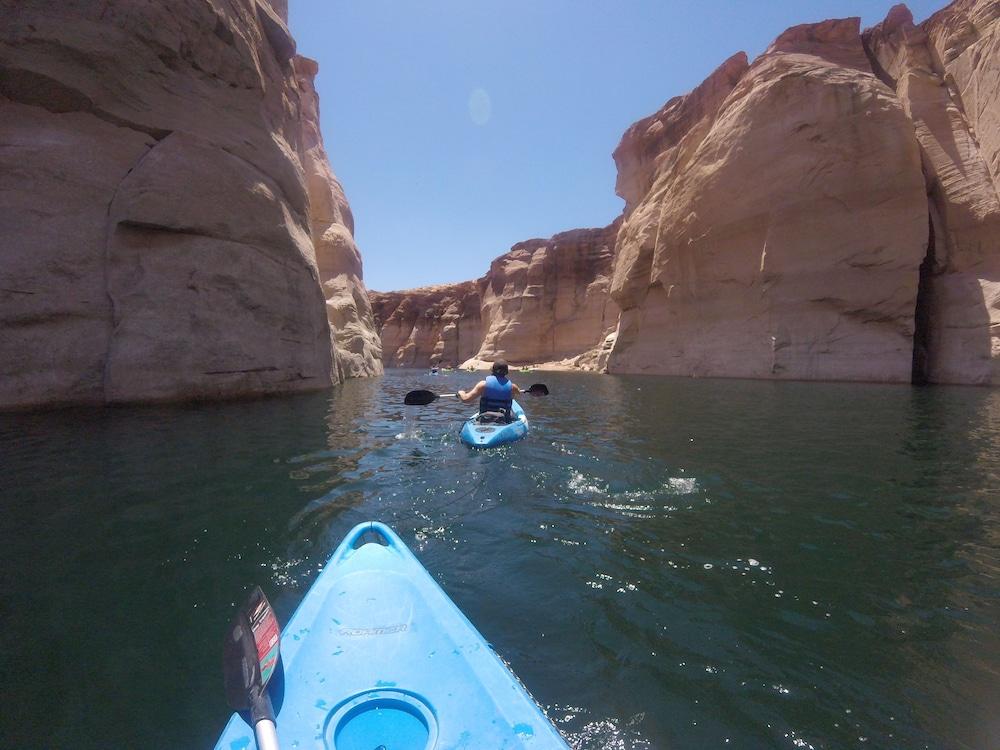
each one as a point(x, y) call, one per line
point(488, 435)
point(377, 654)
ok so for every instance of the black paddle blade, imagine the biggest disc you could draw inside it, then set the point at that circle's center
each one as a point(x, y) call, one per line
point(539, 389)
point(419, 398)
point(250, 652)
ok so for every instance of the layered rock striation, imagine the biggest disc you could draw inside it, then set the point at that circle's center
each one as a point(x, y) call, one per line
point(161, 202)
point(545, 301)
point(432, 325)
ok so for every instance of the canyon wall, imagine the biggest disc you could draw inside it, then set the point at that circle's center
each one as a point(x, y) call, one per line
point(828, 211)
point(359, 350)
point(432, 325)
point(161, 202)
point(946, 73)
point(545, 301)
point(784, 224)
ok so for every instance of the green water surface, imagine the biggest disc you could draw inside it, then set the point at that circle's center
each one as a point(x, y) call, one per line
point(665, 563)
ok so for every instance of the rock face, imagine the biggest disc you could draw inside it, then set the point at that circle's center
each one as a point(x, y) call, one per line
point(157, 229)
point(432, 325)
point(547, 300)
point(946, 73)
point(829, 211)
point(784, 223)
point(542, 302)
point(359, 351)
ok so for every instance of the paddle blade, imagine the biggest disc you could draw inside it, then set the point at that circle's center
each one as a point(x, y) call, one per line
point(419, 398)
point(539, 389)
point(250, 652)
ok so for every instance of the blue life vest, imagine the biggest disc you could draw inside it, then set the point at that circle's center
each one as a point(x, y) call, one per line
point(499, 396)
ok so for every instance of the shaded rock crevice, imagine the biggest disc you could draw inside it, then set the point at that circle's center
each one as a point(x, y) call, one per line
point(36, 89)
point(939, 70)
point(922, 316)
point(105, 266)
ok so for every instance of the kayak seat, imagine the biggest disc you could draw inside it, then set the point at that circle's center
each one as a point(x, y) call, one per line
point(494, 417)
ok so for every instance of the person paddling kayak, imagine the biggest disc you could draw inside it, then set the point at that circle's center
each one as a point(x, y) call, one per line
point(496, 393)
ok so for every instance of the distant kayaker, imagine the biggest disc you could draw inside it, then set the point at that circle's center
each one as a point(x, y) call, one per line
point(495, 394)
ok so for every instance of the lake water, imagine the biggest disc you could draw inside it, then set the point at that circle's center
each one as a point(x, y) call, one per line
point(665, 563)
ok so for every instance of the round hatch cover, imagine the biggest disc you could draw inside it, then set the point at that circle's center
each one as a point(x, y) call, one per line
point(389, 719)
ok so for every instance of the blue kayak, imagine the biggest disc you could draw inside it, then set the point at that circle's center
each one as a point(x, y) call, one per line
point(377, 655)
point(488, 434)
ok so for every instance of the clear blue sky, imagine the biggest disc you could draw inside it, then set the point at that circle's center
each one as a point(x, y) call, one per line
point(459, 127)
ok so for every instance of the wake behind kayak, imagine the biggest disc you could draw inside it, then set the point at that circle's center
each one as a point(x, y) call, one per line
point(378, 655)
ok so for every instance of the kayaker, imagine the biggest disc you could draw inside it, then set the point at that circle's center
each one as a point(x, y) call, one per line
point(495, 394)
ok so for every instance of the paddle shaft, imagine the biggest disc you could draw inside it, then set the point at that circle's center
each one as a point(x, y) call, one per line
point(423, 397)
point(267, 735)
point(262, 716)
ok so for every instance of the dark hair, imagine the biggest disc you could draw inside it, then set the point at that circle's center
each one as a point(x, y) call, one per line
point(500, 368)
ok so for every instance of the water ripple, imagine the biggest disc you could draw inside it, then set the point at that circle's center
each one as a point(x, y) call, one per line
point(665, 563)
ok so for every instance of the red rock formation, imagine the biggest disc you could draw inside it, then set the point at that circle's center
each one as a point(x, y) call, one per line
point(946, 73)
point(547, 300)
point(154, 213)
point(829, 211)
point(664, 140)
point(544, 301)
point(784, 225)
point(438, 325)
point(359, 351)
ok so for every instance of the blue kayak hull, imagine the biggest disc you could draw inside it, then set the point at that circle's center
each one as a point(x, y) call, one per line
point(489, 435)
point(378, 655)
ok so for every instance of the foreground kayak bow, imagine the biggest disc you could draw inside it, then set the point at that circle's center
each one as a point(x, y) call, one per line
point(378, 655)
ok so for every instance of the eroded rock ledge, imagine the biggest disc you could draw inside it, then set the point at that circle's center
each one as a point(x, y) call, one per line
point(164, 196)
point(545, 301)
point(827, 211)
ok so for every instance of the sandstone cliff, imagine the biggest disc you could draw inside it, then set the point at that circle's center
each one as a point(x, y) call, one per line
point(359, 351)
point(827, 211)
point(432, 325)
point(946, 73)
point(545, 301)
point(784, 227)
point(156, 224)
